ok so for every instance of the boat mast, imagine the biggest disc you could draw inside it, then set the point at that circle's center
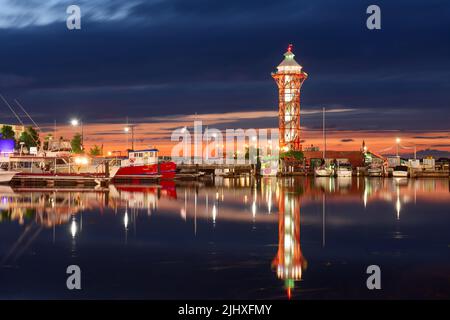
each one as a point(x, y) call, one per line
point(27, 114)
point(12, 110)
point(323, 133)
point(17, 116)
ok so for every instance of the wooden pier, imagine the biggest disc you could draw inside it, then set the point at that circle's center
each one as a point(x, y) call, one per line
point(226, 170)
point(52, 180)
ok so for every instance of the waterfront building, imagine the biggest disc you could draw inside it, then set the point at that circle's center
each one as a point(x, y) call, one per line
point(314, 158)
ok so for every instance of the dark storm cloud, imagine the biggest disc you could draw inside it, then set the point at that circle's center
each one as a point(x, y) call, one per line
point(152, 58)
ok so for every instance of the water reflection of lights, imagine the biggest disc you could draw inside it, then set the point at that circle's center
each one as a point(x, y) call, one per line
point(73, 228)
point(268, 196)
point(398, 205)
point(324, 213)
point(183, 213)
point(54, 208)
point(214, 213)
point(195, 212)
point(365, 195)
point(325, 183)
point(293, 272)
point(289, 261)
point(401, 181)
point(254, 210)
point(125, 220)
point(243, 181)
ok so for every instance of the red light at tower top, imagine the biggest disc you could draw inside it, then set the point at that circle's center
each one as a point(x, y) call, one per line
point(289, 78)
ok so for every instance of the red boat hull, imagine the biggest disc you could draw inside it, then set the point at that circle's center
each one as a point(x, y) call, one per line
point(166, 170)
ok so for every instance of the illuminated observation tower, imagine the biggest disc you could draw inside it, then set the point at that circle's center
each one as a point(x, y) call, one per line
point(289, 78)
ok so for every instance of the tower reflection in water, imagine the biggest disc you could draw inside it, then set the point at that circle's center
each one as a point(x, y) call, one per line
point(228, 203)
point(289, 262)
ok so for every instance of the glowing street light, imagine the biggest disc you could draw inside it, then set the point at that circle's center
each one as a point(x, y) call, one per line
point(81, 161)
point(127, 129)
point(75, 123)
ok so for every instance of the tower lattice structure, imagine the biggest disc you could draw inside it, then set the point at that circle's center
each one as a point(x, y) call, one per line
point(289, 78)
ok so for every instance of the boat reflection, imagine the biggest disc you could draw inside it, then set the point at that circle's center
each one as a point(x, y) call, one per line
point(56, 206)
point(242, 200)
point(49, 207)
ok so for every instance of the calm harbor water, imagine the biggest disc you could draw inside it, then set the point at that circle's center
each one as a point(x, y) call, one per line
point(298, 238)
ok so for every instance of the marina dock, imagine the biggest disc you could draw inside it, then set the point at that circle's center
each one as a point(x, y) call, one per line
point(50, 180)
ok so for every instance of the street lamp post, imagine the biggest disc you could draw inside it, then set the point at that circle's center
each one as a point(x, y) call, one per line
point(127, 129)
point(398, 143)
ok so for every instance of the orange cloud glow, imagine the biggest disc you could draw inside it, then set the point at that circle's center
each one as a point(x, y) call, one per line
point(156, 132)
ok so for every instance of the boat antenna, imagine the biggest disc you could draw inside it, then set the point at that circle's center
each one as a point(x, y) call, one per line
point(35, 124)
point(18, 118)
point(28, 115)
point(324, 133)
point(12, 110)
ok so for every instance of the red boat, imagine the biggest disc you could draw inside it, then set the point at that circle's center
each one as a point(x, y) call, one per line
point(144, 164)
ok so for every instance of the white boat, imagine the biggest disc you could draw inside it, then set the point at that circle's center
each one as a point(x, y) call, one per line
point(344, 170)
point(6, 176)
point(373, 171)
point(323, 171)
point(400, 171)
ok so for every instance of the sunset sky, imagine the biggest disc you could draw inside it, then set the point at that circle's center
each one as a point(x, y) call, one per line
point(165, 63)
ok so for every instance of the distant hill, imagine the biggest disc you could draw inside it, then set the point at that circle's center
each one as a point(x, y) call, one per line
point(425, 153)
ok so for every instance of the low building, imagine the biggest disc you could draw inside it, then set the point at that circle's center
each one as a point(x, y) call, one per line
point(355, 158)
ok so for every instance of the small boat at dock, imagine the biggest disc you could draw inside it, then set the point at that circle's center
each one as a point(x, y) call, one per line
point(400, 172)
point(375, 171)
point(144, 165)
point(323, 171)
point(53, 170)
point(344, 170)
